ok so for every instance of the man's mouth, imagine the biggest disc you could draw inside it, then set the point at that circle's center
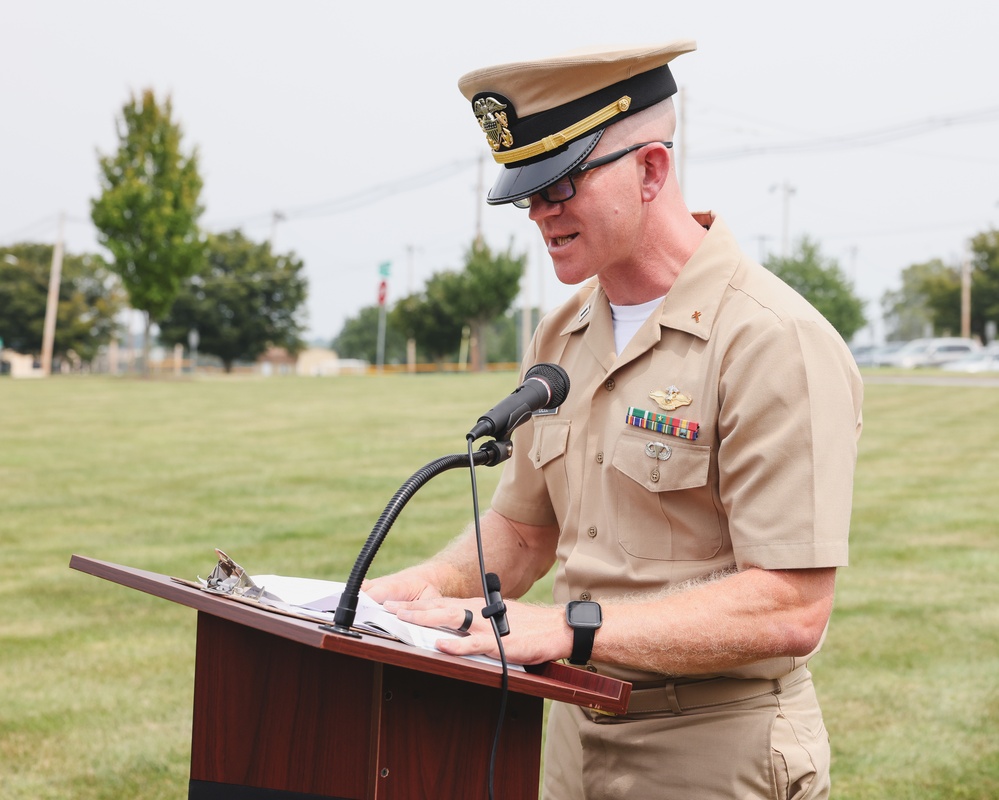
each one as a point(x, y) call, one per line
point(560, 241)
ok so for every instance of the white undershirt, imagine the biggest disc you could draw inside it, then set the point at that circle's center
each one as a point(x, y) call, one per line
point(628, 319)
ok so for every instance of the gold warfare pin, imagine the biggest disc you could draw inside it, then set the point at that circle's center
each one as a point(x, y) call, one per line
point(670, 399)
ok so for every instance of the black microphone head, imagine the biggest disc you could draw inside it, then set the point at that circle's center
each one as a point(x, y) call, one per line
point(492, 582)
point(557, 380)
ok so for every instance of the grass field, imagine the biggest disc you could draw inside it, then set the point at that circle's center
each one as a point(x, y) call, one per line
point(288, 476)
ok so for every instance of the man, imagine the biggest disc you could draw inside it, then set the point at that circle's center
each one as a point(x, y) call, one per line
point(695, 488)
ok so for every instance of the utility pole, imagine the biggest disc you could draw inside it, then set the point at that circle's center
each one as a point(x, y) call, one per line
point(966, 298)
point(788, 190)
point(52, 304)
point(410, 342)
point(276, 217)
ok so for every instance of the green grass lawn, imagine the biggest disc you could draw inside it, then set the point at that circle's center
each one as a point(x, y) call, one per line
point(288, 476)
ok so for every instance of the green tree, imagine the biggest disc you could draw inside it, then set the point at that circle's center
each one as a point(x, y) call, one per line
point(821, 281)
point(906, 310)
point(148, 210)
point(490, 282)
point(359, 338)
point(984, 281)
point(90, 298)
point(429, 318)
point(246, 300)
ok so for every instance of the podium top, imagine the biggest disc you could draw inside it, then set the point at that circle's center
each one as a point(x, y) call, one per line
point(553, 681)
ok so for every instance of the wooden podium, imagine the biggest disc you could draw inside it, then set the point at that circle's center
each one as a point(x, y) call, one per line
point(284, 709)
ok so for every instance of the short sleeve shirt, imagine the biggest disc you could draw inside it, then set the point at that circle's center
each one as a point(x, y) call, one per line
point(767, 481)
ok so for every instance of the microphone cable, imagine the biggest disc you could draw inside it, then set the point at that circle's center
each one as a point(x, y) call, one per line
point(505, 681)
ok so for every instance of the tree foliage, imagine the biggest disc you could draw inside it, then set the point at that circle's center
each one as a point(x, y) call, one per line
point(821, 281)
point(931, 292)
point(476, 297)
point(147, 212)
point(359, 338)
point(984, 280)
point(246, 300)
point(430, 319)
point(906, 310)
point(90, 297)
point(490, 284)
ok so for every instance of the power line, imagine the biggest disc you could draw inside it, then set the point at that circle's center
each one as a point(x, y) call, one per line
point(367, 196)
point(870, 138)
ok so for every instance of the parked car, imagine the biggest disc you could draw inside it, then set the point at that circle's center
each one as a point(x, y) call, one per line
point(984, 360)
point(878, 357)
point(931, 352)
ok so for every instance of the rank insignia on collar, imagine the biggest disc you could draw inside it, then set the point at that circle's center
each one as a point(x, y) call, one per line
point(493, 120)
point(670, 399)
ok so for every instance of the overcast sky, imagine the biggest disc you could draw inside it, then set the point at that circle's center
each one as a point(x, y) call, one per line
point(345, 118)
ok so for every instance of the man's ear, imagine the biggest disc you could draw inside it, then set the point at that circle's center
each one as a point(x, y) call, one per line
point(657, 162)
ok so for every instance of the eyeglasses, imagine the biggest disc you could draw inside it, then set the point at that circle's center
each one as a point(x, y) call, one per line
point(565, 189)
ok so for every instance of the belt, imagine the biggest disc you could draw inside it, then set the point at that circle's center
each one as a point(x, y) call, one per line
point(676, 698)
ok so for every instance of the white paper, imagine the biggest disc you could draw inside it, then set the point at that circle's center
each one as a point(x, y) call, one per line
point(318, 599)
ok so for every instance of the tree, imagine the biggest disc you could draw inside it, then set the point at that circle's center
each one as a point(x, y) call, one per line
point(246, 300)
point(429, 319)
point(906, 310)
point(823, 284)
point(359, 338)
point(148, 210)
point(90, 298)
point(931, 292)
point(488, 287)
point(984, 281)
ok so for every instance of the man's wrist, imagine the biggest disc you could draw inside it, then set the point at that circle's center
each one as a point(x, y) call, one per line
point(584, 617)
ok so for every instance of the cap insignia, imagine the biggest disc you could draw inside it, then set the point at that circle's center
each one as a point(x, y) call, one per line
point(492, 118)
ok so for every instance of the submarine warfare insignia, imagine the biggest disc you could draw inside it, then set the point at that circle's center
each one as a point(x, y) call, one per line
point(493, 121)
point(671, 399)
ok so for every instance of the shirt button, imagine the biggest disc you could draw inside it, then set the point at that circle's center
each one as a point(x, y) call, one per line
point(609, 385)
point(592, 531)
point(584, 595)
point(600, 458)
point(655, 476)
point(537, 456)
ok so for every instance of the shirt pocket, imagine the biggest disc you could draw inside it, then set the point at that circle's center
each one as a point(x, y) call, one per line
point(551, 439)
point(664, 507)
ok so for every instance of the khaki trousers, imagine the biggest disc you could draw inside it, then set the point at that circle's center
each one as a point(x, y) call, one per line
point(771, 746)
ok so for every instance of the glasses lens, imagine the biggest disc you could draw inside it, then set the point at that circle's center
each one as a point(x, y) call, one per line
point(560, 191)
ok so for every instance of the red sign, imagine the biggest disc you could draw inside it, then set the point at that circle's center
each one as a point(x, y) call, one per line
point(382, 292)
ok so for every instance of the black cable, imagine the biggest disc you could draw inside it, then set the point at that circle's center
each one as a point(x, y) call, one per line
point(504, 684)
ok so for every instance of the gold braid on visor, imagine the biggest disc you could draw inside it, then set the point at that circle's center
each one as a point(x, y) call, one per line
point(556, 140)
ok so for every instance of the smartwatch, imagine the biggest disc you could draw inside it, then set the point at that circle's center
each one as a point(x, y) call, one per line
point(584, 617)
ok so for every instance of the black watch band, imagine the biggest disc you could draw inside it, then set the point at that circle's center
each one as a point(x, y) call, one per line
point(584, 617)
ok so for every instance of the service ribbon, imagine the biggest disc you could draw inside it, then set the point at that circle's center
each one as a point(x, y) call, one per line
point(671, 426)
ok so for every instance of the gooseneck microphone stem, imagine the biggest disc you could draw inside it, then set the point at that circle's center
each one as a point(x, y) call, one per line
point(489, 455)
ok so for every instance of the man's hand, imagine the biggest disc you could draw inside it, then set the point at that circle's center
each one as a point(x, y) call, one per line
point(537, 633)
point(410, 584)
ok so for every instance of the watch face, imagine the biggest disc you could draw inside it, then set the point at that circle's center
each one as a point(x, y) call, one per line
point(584, 614)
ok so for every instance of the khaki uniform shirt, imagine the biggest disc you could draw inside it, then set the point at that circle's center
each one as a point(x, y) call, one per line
point(768, 481)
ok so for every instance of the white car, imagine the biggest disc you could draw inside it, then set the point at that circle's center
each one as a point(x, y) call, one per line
point(932, 352)
point(985, 360)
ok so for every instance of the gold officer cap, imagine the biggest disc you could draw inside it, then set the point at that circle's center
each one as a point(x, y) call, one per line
point(542, 118)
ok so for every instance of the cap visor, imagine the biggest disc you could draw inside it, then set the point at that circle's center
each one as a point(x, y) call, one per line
point(515, 183)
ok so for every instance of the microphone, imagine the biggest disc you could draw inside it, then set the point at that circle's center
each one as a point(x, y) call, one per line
point(544, 386)
point(496, 607)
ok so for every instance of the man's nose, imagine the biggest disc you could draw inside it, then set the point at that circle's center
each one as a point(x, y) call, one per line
point(541, 208)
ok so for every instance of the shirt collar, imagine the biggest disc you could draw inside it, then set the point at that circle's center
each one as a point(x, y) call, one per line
point(695, 297)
